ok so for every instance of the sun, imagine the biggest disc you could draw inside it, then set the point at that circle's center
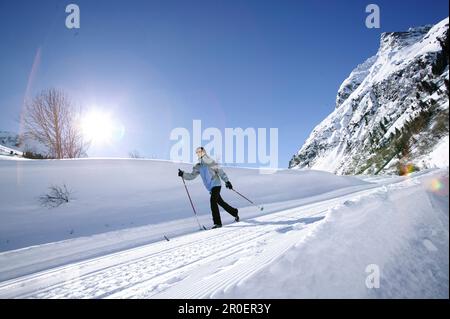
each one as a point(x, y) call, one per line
point(97, 126)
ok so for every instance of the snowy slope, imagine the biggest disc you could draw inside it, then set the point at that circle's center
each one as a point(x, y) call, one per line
point(6, 151)
point(122, 203)
point(402, 228)
point(9, 139)
point(19, 143)
point(319, 247)
point(368, 132)
point(438, 157)
point(9, 144)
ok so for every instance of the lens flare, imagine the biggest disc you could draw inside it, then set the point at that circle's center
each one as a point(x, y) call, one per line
point(407, 169)
point(438, 186)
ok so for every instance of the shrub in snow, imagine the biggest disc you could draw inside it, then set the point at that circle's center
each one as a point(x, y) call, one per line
point(56, 196)
point(33, 155)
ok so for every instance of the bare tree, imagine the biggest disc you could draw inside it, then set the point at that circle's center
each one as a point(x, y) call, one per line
point(52, 120)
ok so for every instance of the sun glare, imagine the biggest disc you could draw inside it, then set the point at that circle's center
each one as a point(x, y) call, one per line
point(98, 127)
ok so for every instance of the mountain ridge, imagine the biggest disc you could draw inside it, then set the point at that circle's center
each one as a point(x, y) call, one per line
point(389, 111)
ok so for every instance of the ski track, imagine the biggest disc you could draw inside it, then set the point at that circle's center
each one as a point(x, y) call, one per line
point(198, 265)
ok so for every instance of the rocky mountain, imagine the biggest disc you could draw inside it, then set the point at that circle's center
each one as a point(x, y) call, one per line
point(9, 139)
point(391, 113)
point(12, 143)
point(9, 143)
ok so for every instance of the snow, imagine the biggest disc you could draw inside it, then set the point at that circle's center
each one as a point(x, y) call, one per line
point(438, 157)
point(114, 194)
point(7, 151)
point(19, 143)
point(403, 229)
point(391, 58)
point(329, 161)
point(382, 87)
point(355, 78)
point(9, 139)
point(315, 238)
point(12, 158)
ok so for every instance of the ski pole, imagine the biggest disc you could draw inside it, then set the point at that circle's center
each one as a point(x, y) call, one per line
point(259, 207)
point(193, 208)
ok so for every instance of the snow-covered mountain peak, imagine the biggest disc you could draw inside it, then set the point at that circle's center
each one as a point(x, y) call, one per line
point(395, 49)
point(382, 101)
point(398, 40)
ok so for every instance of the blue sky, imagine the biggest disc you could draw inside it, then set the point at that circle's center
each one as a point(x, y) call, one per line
point(157, 65)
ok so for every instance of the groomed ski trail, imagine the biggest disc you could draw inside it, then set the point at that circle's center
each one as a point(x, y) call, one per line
point(198, 265)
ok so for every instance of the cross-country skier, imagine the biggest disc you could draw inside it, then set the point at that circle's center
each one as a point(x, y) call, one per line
point(211, 175)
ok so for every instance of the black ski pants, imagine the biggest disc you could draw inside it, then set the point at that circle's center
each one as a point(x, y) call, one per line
point(217, 200)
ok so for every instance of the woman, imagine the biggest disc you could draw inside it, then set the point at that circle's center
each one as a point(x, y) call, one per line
point(211, 175)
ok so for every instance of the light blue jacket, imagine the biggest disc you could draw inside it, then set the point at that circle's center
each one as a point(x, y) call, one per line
point(210, 172)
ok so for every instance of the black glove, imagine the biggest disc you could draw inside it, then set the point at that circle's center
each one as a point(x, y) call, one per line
point(180, 173)
point(228, 185)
